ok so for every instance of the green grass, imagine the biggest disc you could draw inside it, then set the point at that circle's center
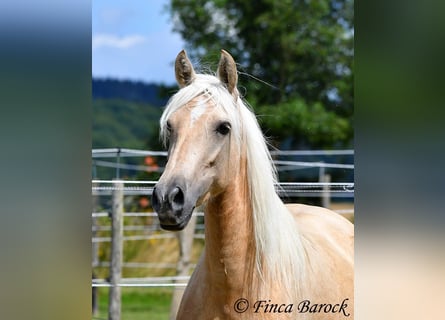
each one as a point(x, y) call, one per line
point(138, 303)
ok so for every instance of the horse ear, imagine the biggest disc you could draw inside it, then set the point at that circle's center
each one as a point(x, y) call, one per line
point(227, 72)
point(184, 72)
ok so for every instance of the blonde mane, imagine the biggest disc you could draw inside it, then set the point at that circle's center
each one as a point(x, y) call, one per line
point(280, 254)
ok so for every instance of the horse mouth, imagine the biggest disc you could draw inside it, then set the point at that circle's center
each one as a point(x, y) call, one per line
point(174, 224)
point(176, 227)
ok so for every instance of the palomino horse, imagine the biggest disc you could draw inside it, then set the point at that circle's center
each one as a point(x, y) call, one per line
point(262, 259)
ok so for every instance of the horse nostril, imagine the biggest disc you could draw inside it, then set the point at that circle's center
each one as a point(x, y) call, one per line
point(171, 201)
point(155, 200)
point(176, 198)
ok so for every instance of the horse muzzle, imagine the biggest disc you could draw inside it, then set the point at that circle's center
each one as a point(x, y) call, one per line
point(170, 203)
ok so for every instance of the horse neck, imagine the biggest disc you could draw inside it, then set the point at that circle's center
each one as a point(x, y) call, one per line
point(230, 245)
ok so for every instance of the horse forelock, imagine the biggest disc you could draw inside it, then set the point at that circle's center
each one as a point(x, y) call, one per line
point(212, 90)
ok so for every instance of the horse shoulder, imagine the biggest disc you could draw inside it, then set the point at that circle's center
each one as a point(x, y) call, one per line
point(323, 225)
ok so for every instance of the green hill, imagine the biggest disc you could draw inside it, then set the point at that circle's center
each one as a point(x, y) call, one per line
point(126, 113)
point(134, 91)
point(120, 123)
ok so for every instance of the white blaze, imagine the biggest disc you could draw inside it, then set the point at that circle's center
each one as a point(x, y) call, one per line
point(198, 110)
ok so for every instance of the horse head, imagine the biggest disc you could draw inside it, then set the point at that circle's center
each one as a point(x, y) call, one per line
point(199, 125)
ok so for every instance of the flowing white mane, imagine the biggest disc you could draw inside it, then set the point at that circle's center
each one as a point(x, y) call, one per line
point(278, 257)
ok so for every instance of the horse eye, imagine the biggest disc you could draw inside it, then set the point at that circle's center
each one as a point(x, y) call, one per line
point(223, 128)
point(169, 126)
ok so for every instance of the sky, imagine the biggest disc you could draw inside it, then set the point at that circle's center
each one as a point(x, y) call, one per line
point(133, 40)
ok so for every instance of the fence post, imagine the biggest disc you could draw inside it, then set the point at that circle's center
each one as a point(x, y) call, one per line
point(326, 196)
point(118, 162)
point(185, 238)
point(114, 301)
point(94, 257)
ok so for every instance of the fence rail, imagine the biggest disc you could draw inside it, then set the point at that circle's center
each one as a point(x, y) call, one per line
point(284, 189)
point(175, 281)
point(119, 153)
point(126, 152)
